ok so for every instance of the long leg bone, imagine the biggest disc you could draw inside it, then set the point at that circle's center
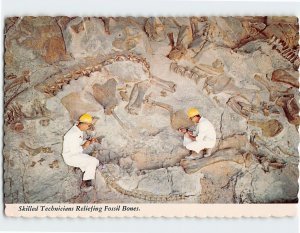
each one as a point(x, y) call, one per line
point(177, 118)
point(230, 155)
point(167, 85)
point(136, 97)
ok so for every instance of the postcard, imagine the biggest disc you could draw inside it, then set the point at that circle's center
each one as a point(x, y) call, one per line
point(151, 116)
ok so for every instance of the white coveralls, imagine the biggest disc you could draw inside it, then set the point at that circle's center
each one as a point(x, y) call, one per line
point(73, 153)
point(205, 136)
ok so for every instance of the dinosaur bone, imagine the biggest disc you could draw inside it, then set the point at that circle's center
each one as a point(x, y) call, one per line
point(227, 155)
point(241, 106)
point(274, 91)
point(55, 83)
point(290, 108)
point(166, 85)
point(270, 128)
point(136, 97)
point(106, 96)
point(18, 81)
point(178, 118)
point(283, 76)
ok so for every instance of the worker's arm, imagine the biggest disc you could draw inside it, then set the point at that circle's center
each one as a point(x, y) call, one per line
point(191, 136)
point(89, 142)
point(206, 132)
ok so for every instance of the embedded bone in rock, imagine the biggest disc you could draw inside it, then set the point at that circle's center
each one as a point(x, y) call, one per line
point(290, 108)
point(231, 155)
point(106, 95)
point(241, 106)
point(237, 141)
point(145, 160)
point(167, 85)
point(275, 91)
point(270, 128)
point(199, 28)
point(186, 72)
point(136, 97)
point(183, 40)
point(72, 102)
point(223, 83)
point(124, 95)
point(127, 39)
point(284, 77)
point(178, 118)
point(85, 36)
point(155, 29)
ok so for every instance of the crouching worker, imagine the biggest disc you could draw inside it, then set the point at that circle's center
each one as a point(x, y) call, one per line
point(73, 155)
point(202, 139)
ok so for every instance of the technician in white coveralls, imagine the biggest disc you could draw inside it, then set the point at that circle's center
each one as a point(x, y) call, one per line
point(202, 138)
point(73, 155)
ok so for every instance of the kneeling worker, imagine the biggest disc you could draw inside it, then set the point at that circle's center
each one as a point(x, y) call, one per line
point(73, 155)
point(202, 138)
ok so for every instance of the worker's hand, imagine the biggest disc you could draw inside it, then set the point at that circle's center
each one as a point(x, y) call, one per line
point(93, 140)
point(190, 133)
point(182, 130)
point(86, 144)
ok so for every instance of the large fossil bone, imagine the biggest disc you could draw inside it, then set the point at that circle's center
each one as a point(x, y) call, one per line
point(183, 39)
point(136, 97)
point(155, 29)
point(227, 155)
point(106, 96)
point(199, 28)
point(178, 118)
point(223, 83)
point(283, 76)
point(237, 141)
point(166, 85)
point(76, 106)
point(270, 128)
point(241, 106)
point(274, 91)
point(112, 182)
point(290, 108)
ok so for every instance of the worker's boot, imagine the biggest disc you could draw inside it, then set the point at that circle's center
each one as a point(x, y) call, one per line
point(195, 155)
point(86, 186)
point(208, 152)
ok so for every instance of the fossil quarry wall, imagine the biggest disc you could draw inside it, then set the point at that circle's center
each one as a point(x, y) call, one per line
point(138, 76)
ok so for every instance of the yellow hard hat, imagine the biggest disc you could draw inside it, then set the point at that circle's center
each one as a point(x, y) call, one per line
point(86, 118)
point(193, 112)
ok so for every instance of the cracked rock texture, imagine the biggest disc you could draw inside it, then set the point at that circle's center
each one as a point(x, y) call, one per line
point(137, 75)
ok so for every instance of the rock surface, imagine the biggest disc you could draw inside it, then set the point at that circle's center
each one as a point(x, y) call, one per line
point(137, 76)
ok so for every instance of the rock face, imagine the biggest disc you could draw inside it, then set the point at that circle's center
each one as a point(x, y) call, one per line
point(138, 77)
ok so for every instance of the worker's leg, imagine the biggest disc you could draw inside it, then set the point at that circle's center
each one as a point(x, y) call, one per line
point(197, 146)
point(90, 168)
point(85, 162)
